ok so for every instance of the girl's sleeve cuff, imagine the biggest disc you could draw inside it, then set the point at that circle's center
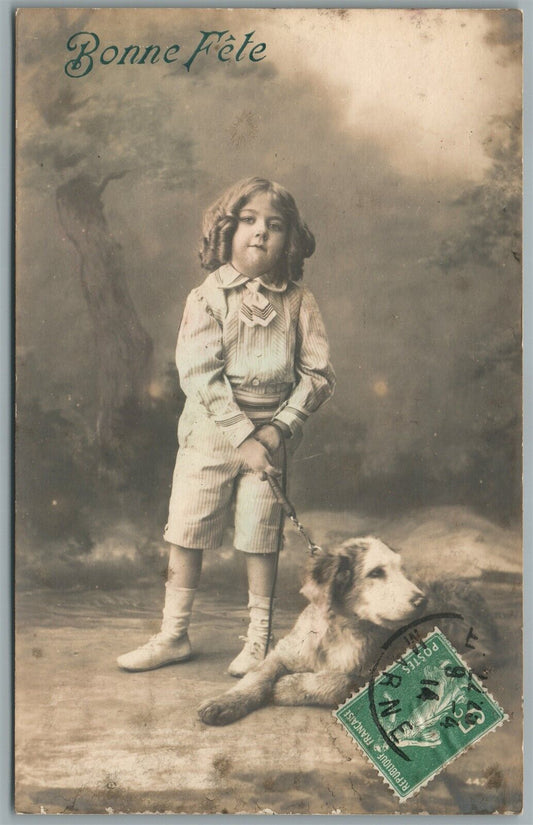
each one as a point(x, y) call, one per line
point(237, 428)
point(291, 418)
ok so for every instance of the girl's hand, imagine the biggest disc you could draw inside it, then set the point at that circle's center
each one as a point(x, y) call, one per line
point(257, 457)
point(270, 437)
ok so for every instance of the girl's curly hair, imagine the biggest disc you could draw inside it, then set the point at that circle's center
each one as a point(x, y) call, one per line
point(220, 223)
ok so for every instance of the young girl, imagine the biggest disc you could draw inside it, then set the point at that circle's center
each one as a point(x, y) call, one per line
point(253, 361)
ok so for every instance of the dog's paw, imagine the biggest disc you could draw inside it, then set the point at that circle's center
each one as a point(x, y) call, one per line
point(223, 710)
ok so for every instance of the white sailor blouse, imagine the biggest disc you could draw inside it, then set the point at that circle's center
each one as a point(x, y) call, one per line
point(227, 361)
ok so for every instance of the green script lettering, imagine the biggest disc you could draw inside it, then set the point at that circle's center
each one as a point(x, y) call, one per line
point(82, 64)
point(204, 46)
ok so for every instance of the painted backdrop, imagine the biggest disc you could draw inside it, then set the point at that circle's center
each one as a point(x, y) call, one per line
point(399, 135)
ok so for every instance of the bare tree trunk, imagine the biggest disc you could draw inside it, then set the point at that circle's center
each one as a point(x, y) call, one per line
point(124, 349)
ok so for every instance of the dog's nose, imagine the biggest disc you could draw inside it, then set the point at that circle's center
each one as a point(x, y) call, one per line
point(418, 600)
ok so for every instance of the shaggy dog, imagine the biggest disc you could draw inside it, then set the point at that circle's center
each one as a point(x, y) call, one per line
point(354, 591)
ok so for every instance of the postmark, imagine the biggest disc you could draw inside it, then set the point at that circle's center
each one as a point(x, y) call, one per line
point(420, 714)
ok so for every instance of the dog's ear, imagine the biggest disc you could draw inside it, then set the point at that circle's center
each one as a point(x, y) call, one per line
point(330, 577)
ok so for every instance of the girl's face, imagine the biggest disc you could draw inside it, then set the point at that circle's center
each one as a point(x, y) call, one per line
point(260, 237)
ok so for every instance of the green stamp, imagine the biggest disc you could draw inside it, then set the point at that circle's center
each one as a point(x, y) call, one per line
point(418, 715)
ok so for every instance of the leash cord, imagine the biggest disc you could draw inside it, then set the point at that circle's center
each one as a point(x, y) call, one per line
point(275, 486)
point(287, 509)
point(290, 512)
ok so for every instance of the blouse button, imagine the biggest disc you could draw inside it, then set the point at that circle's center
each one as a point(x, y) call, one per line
point(255, 382)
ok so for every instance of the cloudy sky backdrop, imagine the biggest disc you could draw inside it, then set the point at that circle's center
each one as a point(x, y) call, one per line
point(398, 132)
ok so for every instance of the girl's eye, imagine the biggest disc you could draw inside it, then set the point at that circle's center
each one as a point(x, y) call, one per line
point(377, 573)
point(276, 227)
point(246, 219)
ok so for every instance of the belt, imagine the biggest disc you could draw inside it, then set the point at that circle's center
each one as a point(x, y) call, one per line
point(260, 406)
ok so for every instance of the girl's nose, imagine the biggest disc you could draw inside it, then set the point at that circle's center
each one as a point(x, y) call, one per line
point(261, 231)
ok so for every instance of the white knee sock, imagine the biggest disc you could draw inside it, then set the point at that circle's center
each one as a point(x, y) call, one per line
point(259, 607)
point(177, 610)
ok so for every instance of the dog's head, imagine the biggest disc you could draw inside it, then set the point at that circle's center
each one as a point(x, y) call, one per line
point(363, 577)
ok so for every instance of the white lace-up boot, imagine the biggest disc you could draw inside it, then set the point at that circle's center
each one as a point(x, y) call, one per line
point(172, 643)
point(255, 641)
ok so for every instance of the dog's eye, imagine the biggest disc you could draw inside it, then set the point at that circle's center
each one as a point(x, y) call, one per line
point(377, 573)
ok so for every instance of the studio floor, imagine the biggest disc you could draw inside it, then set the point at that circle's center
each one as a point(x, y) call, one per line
point(93, 739)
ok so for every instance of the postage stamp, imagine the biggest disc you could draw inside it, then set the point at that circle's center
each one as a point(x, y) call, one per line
point(419, 714)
